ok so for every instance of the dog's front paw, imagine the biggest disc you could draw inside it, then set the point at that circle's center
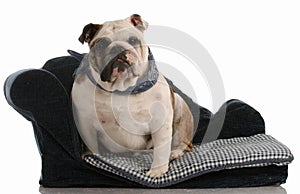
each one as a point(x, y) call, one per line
point(157, 172)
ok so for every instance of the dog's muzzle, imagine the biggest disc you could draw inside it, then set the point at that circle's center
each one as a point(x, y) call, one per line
point(143, 84)
point(121, 62)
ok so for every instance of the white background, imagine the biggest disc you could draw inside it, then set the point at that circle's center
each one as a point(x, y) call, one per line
point(255, 45)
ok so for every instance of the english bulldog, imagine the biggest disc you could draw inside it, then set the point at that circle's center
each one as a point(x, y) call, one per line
point(121, 103)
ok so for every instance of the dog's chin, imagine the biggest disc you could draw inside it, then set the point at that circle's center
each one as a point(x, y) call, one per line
point(122, 66)
point(122, 80)
point(120, 69)
point(123, 75)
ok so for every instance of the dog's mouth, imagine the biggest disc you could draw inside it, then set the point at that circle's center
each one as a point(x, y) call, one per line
point(117, 66)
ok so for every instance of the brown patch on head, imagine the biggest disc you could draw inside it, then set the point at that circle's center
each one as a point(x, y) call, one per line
point(136, 19)
point(138, 22)
point(88, 32)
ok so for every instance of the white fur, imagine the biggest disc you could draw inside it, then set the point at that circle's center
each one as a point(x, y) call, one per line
point(132, 122)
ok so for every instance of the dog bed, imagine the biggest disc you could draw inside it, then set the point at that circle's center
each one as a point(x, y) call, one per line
point(242, 152)
point(242, 156)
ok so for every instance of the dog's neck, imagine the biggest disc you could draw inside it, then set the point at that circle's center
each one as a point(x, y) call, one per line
point(134, 86)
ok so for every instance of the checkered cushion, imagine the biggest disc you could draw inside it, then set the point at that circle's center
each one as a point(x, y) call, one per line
point(255, 151)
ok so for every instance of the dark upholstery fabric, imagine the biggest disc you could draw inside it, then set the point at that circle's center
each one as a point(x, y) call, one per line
point(43, 97)
point(241, 120)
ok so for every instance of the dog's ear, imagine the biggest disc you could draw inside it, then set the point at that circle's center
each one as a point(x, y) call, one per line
point(138, 22)
point(89, 32)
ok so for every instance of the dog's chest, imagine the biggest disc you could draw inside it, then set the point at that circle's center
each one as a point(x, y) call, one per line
point(127, 121)
point(129, 112)
point(134, 114)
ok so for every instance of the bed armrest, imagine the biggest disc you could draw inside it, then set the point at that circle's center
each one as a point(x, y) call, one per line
point(40, 97)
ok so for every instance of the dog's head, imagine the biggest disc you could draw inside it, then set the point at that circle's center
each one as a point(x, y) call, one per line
point(118, 51)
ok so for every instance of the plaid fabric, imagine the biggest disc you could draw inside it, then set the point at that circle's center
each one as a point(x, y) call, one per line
point(255, 151)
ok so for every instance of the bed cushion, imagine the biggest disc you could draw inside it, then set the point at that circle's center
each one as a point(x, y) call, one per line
point(242, 152)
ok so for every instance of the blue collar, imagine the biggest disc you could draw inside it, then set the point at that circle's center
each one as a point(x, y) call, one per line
point(143, 83)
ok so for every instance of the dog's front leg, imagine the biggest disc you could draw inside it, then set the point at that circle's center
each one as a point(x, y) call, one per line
point(162, 140)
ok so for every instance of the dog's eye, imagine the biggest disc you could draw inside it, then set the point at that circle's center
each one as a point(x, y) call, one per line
point(133, 41)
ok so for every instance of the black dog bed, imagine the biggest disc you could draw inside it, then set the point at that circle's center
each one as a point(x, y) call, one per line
point(243, 155)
